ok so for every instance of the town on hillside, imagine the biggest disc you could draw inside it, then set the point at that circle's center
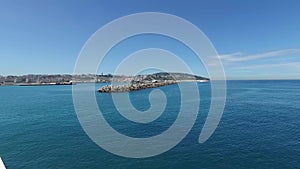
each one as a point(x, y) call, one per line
point(67, 79)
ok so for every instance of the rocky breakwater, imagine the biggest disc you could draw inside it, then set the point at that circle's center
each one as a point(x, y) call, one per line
point(134, 86)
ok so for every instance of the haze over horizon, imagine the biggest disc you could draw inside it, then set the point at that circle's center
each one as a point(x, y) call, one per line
point(255, 40)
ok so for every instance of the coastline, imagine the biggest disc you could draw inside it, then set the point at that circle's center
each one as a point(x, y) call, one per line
point(67, 79)
point(38, 84)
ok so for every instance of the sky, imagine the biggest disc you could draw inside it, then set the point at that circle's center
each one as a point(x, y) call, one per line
point(255, 39)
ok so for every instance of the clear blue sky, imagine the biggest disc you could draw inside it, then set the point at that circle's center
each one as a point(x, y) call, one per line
point(255, 39)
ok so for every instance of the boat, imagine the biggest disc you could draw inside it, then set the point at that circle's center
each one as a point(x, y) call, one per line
point(2, 166)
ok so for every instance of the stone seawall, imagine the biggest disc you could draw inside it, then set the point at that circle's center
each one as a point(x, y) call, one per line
point(133, 86)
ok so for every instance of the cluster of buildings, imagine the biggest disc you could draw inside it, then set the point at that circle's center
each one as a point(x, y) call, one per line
point(53, 79)
point(64, 79)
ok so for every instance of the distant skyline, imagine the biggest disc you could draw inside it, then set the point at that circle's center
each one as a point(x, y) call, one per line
point(255, 39)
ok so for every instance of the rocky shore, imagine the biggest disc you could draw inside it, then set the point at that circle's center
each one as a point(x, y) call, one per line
point(134, 86)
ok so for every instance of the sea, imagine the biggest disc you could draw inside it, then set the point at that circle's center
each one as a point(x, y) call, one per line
point(260, 128)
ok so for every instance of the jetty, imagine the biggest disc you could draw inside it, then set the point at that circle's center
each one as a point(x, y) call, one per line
point(134, 86)
point(2, 166)
point(141, 82)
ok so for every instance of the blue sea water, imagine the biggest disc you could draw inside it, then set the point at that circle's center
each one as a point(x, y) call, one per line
point(260, 128)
